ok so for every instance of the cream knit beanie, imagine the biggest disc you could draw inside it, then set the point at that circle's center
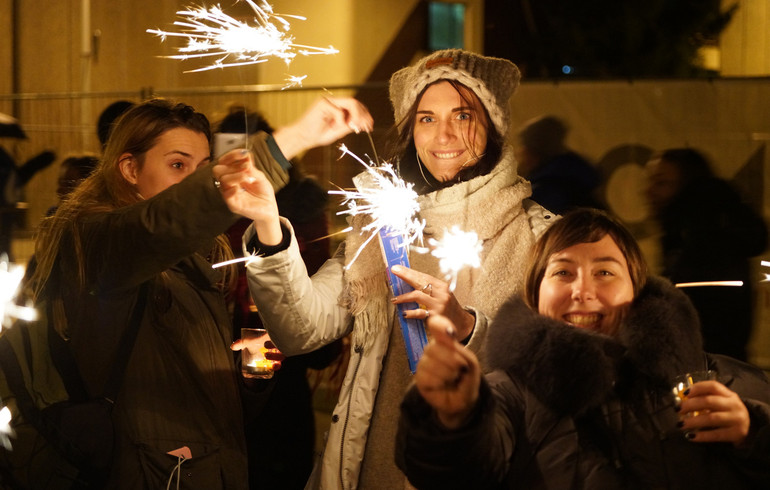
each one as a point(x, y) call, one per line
point(493, 80)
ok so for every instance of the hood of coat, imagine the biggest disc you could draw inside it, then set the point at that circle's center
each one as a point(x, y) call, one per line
point(572, 369)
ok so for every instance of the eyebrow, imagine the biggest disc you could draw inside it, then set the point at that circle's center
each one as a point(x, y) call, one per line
point(456, 109)
point(185, 154)
point(596, 260)
point(178, 152)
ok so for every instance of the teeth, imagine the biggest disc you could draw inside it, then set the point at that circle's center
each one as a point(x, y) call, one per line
point(583, 320)
point(453, 154)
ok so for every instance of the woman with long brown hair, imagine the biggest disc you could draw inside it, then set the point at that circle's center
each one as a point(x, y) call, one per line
point(148, 223)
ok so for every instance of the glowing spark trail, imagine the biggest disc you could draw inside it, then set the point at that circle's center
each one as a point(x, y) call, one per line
point(212, 33)
point(391, 204)
point(708, 283)
point(765, 263)
point(10, 278)
point(457, 249)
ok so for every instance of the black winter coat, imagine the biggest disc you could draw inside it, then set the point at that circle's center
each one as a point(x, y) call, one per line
point(567, 408)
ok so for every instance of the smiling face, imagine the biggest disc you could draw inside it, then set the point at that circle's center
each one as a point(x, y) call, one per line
point(587, 285)
point(450, 130)
point(177, 153)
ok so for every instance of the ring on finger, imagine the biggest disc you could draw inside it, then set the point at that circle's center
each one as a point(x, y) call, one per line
point(427, 289)
point(427, 313)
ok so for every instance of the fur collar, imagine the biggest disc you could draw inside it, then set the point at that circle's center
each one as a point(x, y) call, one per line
point(571, 370)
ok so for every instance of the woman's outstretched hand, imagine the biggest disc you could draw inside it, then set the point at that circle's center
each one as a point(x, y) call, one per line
point(435, 298)
point(323, 123)
point(448, 375)
point(249, 193)
point(711, 412)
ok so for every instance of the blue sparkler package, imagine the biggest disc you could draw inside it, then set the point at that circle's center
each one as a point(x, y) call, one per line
point(412, 329)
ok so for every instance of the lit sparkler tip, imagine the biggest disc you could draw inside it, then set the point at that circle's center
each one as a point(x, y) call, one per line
point(11, 276)
point(211, 32)
point(390, 202)
point(456, 249)
point(6, 431)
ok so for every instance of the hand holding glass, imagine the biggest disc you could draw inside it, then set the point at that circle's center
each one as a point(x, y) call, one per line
point(256, 361)
point(683, 383)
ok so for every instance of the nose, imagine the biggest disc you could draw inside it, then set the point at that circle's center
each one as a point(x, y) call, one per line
point(583, 289)
point(446, 132)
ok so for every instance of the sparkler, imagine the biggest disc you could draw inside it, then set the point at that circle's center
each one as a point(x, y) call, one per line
point(765, 263)
point(708, 283)
point(10, 278)
point(391, 203)
point(457, 249)
point(210, 33)
point(5, 428)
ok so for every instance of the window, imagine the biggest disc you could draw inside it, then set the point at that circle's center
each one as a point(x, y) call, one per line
point(446, 23)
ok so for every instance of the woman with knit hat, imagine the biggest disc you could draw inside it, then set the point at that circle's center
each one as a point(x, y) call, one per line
point(452, 117)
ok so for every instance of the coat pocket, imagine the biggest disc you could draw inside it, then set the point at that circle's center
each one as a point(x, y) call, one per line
point(160, 469)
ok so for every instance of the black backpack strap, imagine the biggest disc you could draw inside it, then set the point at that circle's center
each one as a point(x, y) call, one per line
point(64, 362)
point(127, 341)
point(9, 362)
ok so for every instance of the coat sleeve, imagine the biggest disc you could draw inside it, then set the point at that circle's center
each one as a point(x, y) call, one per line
point(476, 455)
point(128, 245)
point(301, 313)
point(752, 385)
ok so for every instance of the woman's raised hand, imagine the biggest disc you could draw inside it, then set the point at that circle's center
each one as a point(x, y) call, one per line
point(323, 123)
point(435, 298)
point(448, 375)
point(711, 412)
point(247, 192)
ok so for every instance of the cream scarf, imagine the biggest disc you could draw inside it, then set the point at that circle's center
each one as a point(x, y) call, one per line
point(490, 205)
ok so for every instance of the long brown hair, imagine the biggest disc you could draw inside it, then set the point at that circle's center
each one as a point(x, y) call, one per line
point(135, 132)
point(402, 149)
point(582, 225)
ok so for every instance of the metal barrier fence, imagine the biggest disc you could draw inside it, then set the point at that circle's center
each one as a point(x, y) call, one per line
point(66, 124)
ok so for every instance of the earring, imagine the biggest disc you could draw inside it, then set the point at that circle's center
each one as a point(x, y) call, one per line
point(419, 165)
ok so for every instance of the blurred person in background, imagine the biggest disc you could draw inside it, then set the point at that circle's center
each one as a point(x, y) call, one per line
point(561, 178)
point(708, 234)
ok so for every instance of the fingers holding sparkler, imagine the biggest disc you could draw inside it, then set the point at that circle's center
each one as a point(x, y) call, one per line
point(434, 300)
point(248, 192)
point(448, 375)
point(324, 122)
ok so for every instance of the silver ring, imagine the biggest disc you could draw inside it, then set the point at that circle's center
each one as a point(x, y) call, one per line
point(427, 313)
point(427, 289)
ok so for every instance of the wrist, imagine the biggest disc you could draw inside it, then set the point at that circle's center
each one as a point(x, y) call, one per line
point(269, 231)
point(454, 420)
point(290, 141)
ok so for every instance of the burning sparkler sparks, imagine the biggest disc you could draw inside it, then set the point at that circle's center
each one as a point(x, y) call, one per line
point(391, 203)
point(5, 428)
point(212, 33)
point(765, 263)
point(10, 278)
point(708, 283)
point(457, 249)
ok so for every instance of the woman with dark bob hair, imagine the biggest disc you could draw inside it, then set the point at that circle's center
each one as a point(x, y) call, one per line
point(452, 114)
point(578, 390)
